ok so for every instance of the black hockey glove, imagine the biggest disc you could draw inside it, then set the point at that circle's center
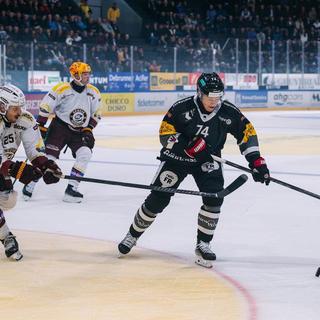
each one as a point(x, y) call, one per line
point(260, 171)
point(88, 138)
point(22, 171)
point(5, 183)
point(49, 169)
point(197, 148)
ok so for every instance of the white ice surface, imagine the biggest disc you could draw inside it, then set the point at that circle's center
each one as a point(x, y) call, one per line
point(267, 239)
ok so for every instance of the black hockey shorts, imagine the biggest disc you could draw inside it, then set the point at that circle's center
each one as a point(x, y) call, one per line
point(208, 177)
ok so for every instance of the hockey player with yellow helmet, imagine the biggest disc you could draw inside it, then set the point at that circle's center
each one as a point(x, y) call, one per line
point(76, 106)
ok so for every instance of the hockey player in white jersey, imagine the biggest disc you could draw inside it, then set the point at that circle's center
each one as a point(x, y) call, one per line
point(76, 106)
point(16, 126)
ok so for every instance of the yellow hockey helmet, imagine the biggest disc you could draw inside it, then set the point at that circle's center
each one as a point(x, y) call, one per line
point(77, 68)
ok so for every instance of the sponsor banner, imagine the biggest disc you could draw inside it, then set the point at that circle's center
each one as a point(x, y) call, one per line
point(33, 102)
point(160, 101)
point(297, 81)
point(288, 98)
point(42, 80)
point(167, 80)
point(98, 79)
point(242, 81)
point(251, 98)
point(294, 98)
point(117, 103)
point(193, 77)
point(230, 96)
point(315, 98)
point(126, 82)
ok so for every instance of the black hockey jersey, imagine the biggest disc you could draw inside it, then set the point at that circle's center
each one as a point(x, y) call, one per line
point(187, 119)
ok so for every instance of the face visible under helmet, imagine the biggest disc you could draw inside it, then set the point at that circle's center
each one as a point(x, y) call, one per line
point(77, 69)
point(11, 95)
point(210, 84)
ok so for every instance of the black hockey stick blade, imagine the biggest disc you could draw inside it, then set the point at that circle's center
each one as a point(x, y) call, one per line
point(233, 186)
point(282, 183)
point(221, 194)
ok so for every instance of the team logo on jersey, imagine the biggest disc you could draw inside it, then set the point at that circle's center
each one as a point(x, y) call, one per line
point(248, 132)
point(78, 117)
point(167, 128)
point(168, 179)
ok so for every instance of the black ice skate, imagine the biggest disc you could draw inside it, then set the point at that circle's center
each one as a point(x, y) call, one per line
point(126, 244)
point(205, 255)
point(72, 195)
point(11, 247)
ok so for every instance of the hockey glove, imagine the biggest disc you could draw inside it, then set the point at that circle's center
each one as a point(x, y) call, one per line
point(49, 169)
point(260, 171)
point(87, 137)
point(22, 171)
point(5, 183)
point(197, 148)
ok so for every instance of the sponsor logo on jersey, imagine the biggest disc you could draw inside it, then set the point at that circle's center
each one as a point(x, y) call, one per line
point(210, 166)
point(173, 156)
point(9, 153)
point(189, 114)
point(16, 126)
point(67, 95)
point(51, 96)
point(227, 121)
point(78, 117)
point(168, 179)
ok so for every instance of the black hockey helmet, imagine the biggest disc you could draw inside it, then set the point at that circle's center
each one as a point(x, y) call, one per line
point(210, 84)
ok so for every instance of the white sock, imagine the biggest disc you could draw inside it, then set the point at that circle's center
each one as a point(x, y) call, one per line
point(4, 231)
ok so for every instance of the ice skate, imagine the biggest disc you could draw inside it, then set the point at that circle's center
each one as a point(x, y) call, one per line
point(204, 254)
point(72, 195)
point(11, 247)
point(126, 244)
point(28, 190)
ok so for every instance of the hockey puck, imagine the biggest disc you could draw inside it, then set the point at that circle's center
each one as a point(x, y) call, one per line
point(318, 272)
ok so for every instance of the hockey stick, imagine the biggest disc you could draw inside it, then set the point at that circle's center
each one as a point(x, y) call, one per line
point(237, 183)
point(285, 184)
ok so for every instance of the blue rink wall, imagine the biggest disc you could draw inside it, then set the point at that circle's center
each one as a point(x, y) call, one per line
point(123, 103)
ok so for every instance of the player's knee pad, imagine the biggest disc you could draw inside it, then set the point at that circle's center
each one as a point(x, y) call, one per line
point(157, 201)
point(8, 200)
point(83, 156)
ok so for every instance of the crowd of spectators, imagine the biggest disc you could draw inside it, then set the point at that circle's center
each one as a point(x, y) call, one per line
point(197, 27)
point(204, 34)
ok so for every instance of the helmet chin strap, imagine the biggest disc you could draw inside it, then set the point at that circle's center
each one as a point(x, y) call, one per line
point(78, 82)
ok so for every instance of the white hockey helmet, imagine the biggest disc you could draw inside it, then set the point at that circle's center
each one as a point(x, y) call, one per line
point(11, 95)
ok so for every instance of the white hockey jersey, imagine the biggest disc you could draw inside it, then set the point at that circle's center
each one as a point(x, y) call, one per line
point(25, 130)
point(70, 106)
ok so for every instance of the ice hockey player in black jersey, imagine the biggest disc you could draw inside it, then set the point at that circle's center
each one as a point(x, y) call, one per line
point(192, 130)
